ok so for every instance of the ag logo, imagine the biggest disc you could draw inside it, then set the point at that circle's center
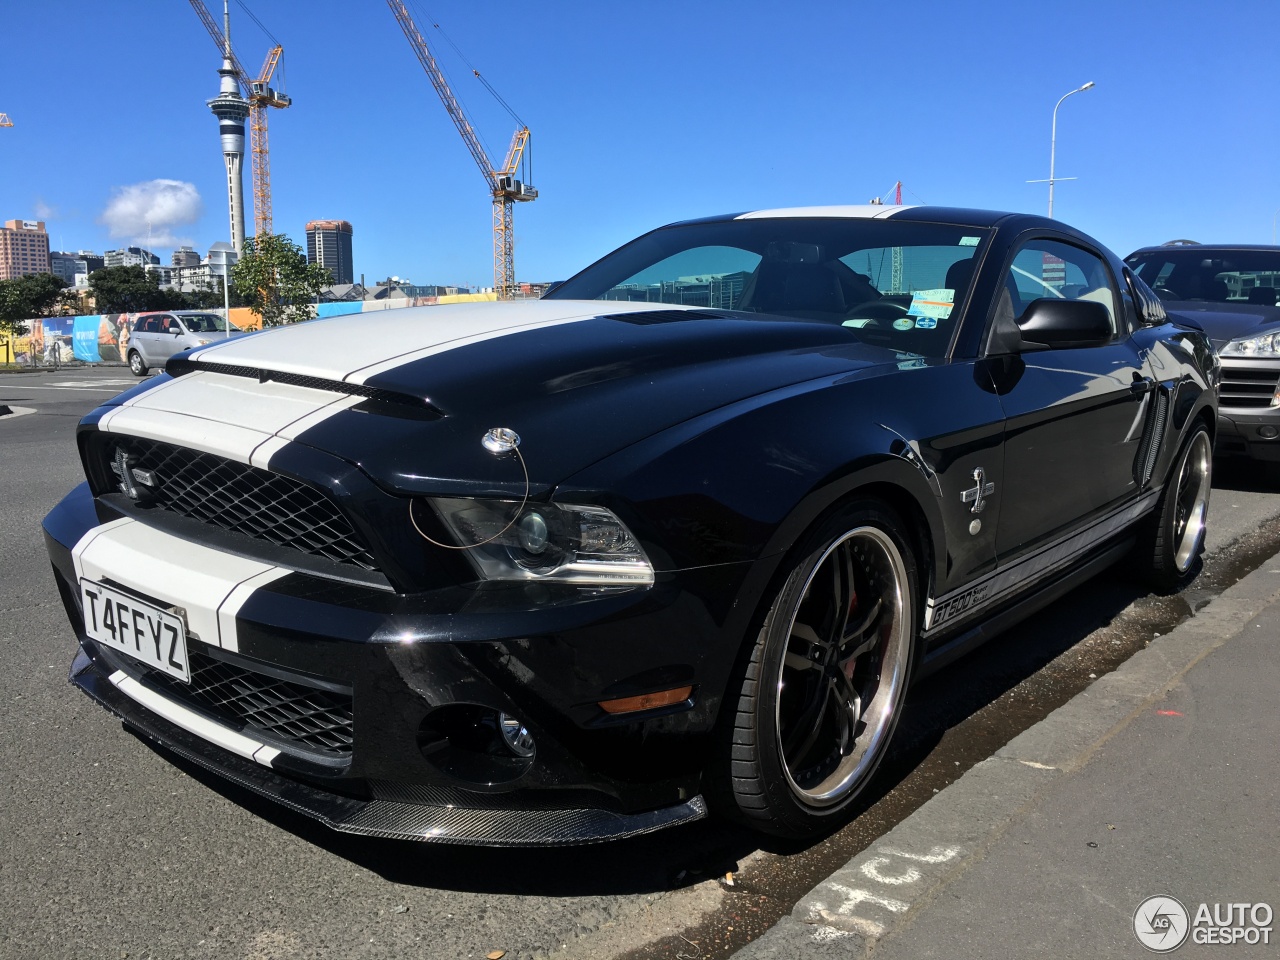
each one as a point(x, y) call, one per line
point(1161, 924)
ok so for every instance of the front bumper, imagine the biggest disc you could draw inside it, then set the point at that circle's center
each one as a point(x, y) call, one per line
point(1247, 425)
point(419, 670)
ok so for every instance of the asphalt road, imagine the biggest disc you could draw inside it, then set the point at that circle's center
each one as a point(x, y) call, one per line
point(115, 850)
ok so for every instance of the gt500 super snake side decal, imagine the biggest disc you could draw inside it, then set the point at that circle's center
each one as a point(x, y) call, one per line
point(1002, 583)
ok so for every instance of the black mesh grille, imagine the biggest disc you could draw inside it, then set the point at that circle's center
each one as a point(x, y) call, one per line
point(286, 710)
point(243, 499)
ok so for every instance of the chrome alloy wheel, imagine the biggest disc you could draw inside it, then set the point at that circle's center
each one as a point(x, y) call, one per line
point(844, 667)
point(1192, 504)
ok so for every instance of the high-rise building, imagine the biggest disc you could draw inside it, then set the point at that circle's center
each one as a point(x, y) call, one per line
point(231, 109)
point(329, 244)
point(186, 257)
point(24, 249)
point(129, 257)
point(65, 265)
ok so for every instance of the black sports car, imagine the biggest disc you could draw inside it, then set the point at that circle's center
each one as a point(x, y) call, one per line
point(683, 530)
point(1229, 290)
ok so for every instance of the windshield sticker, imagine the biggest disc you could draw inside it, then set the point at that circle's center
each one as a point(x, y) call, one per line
point(932, 303)
point(968, 241)
point(926, 323)
point(906, 323)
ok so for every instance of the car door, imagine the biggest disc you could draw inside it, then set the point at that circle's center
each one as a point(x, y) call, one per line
point(169, 339)
point(1074, 415)
point(143, 339)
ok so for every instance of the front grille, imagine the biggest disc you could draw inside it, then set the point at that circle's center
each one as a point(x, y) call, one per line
point(289, 710)
point(237, 497)
point(1248, 387)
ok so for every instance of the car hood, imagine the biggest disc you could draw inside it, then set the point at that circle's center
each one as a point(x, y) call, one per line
point(408, 395)
point(1224, 322)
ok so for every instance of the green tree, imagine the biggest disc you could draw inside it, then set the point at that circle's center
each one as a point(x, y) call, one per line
point(24, 298)
point(274, 278)
point(131, 290)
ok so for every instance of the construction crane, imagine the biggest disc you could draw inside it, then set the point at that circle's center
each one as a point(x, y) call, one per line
point(504, 187)
point(5, 121)
point(260, 95)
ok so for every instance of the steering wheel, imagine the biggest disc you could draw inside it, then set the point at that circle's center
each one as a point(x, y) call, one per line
point(874, 310)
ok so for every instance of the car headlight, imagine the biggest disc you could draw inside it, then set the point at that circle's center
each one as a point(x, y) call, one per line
point(1265, 345)
point(568, 542)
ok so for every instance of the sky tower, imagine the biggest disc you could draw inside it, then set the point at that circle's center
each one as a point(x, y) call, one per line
point(231, 109)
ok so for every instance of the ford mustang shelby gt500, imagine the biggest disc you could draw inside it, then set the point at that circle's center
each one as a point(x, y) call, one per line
point(683, 531)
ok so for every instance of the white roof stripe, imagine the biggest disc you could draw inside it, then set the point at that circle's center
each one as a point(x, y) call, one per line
point(863, 211)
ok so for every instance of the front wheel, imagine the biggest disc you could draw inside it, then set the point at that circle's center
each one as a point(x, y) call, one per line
point(1172, 541)
point(136, 366)
point(821, 693)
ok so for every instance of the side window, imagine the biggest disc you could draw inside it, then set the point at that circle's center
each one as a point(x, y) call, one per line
point(145, 325)
point(1047, 268)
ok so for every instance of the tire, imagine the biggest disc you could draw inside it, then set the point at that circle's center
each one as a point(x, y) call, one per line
point(815, 714)
point(1171, 543)
point(136, 365)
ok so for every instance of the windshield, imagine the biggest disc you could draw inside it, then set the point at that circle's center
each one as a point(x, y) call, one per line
point(899, 284)
point(206, 323)
point(1216, 276)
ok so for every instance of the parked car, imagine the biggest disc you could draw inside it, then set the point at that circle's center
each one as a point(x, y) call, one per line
point(684, 530)
point(158, 336)
point(1231, 291)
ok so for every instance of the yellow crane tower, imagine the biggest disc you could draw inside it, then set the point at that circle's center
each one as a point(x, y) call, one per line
point(504, 188)
point(5, 121)
point(260, 96)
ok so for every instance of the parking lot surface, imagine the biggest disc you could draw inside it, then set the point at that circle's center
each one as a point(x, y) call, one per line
point(117, 850)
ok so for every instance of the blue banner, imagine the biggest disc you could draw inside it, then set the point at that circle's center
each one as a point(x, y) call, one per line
point(84, 339)
point(337, 309)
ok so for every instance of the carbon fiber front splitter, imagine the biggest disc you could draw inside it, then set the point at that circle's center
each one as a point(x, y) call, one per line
point(452, 823)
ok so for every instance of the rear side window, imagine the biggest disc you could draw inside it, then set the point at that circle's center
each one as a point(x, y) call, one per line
point(145, 325)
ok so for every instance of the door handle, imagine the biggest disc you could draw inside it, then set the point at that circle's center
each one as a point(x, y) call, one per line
point(1141, 386)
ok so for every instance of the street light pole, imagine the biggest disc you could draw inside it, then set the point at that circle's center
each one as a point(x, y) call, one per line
point(1053, 139)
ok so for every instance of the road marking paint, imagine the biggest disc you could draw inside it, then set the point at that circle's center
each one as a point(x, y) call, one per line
point(1037, 766)
point(935, 854)
point(871, 869)
point(854, 896)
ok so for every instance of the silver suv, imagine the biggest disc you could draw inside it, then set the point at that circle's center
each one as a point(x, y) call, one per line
point(158, 336)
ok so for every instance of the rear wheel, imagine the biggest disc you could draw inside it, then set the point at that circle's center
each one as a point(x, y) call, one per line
point(1170, 545)
point(821, 693)
point(136, 366)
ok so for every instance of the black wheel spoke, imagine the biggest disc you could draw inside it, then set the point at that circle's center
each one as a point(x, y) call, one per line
point(807, 726)
point(863, 638)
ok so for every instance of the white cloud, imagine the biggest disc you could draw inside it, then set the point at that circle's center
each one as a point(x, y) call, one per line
point(43, 211)
point(149, 213)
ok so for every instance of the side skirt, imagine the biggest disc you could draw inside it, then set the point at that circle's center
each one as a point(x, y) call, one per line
point(957, 646)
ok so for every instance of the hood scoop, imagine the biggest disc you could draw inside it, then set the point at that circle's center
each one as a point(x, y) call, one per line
point(419, 408)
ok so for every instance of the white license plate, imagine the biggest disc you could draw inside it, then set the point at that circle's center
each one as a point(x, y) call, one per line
point(140, 630)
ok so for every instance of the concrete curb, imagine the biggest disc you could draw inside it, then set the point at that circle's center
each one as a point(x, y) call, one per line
point(884, 888)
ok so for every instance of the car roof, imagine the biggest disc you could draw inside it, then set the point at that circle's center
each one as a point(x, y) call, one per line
point(876, 211)
point(1259, 247)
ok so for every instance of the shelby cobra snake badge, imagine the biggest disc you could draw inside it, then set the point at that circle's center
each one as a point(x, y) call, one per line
point(983, 489)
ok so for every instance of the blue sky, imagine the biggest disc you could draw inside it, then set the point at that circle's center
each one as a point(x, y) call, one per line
point(648, 112)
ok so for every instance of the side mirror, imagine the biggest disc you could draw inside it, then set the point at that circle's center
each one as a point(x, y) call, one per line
point(1058, 324)
point(1052, 324)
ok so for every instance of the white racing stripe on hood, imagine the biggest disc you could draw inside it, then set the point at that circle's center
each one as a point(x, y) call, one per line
point(358, 346)
point(225, 415)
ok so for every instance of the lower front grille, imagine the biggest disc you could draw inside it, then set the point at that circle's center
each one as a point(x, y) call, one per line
point(312, 716)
